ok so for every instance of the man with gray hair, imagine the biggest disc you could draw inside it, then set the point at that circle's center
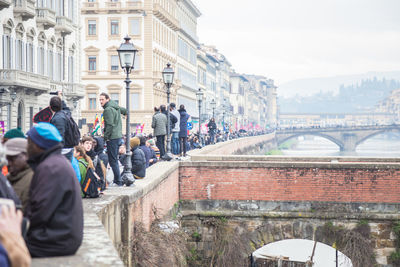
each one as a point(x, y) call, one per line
point(19, 172)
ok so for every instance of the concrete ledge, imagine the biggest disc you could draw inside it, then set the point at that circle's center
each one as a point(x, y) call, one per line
point(290, 209)
point(333, 159)
point(287, 164)
point(233, 146)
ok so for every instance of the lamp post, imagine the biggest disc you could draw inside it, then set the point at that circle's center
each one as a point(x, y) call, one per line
point(168, 77)
point(213, 104)
point(126, 54)
point(199, 96)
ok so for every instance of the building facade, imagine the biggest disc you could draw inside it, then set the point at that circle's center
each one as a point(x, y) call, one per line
point(164, 31)
point(187, 63)
point(40, 54)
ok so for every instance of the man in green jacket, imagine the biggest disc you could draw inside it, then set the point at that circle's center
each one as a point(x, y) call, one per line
point(112, 132)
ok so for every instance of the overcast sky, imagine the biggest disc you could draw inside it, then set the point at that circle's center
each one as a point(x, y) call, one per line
point(290, 39)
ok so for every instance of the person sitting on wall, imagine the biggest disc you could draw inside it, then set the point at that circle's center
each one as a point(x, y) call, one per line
point(55, 204)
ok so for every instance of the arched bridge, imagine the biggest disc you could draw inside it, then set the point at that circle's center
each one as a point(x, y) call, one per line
point(347, 138)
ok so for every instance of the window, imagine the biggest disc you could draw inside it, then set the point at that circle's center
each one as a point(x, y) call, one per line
point(7, 52)
point(135, 101)
point(134, 27)
point(114, 27)
point(40, 60)
point(29, 57)
point(50, 60)
point(92, 63)
point(92, 101)
point(115, 97)
point(91, 27)
point(71, 69)
point(20, 55)
point(114, 63)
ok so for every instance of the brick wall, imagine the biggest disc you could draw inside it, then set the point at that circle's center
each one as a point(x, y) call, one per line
point(321, 182)
point(158, 201)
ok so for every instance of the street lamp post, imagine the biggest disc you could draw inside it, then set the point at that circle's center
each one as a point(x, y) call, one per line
point(213, 104)
point(199, 96)
point(127, 53)
point(168, 77)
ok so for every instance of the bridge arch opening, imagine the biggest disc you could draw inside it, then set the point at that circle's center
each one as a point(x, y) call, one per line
point(299, 252)
point(320, 143)
point(387, 142)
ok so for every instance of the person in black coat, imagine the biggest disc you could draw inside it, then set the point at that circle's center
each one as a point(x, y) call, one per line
point(138, 159)
point(55, 204)
point(212, 128)
point(183, 129)
point(148, 152)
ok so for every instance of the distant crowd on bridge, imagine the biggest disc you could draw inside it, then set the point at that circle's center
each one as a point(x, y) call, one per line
point(47, 171)
point(298, 127)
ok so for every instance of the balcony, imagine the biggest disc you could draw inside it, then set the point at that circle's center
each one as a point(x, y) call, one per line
point(165, 16)
point(64, 25)
point(113, 6)
point(5, 4)
point(73, 90)
point(17, 78)
point(25, 9)
point(45, 17)
point(134, 6)
point(90, 7)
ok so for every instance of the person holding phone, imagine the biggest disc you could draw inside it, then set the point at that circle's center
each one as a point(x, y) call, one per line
point(13, 251)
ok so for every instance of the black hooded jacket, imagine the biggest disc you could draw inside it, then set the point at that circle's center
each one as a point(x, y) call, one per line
point(55, 206)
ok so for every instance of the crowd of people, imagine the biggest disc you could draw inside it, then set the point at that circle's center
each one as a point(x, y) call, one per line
point(47, 171)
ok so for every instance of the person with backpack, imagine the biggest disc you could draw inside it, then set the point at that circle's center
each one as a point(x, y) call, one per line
point(94, 149)
point(87, 170)
point(64, 122)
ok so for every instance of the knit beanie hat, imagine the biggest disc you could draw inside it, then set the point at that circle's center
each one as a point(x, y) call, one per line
point(135, 141)
point(14, 133)
point(151, 142)
point(45, 135)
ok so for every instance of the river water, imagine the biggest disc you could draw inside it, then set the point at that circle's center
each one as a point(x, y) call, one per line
point(387, 145)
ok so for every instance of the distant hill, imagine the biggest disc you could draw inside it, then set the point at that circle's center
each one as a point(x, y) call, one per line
point(358, 97)
point(311, 86)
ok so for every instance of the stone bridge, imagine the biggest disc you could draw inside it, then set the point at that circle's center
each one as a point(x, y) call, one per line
point(278, 197)
point(347, 138)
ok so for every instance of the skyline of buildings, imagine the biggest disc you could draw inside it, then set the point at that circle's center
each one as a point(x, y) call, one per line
point(50, 45)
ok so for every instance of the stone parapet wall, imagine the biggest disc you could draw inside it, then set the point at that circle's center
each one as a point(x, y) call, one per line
point(109, 220)
point(235, 146)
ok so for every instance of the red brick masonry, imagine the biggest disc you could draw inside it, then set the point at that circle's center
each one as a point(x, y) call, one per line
point(342, 183)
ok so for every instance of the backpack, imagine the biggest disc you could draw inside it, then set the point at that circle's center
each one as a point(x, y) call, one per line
point(100, 171)
point(72, 134)
point(91, 184)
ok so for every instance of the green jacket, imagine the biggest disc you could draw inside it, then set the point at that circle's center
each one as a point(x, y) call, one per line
point(83, 171)
point(112, 120)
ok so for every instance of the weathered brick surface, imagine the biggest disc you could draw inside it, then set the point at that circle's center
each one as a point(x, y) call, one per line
point(290, 183)
point(157, 202)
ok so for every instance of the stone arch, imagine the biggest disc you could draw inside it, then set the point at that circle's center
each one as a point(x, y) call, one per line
point(59, 44)
point(52, 40)
point(330, 138)
point(20, 30)
point(8, 26)
point(374, 134)
point(31, 33)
